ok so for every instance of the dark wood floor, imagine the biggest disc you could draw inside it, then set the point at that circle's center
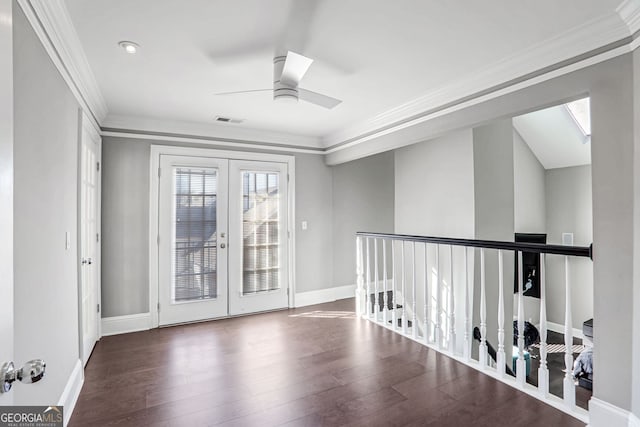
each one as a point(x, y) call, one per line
point(311, 366)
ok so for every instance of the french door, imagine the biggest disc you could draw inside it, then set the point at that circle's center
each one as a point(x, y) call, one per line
point(223, 246)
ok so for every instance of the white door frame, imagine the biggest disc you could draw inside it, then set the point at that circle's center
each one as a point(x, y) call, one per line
point(86, 124)
point(154, 197)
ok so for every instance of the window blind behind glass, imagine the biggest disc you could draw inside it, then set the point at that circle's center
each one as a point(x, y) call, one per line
point(260, 232)
point(195, 250)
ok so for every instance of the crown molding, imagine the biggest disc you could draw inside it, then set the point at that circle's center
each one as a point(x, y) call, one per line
point(594, 41)
point(52, 23)
point(629, 12)
point(591, 39)
point(208, 133)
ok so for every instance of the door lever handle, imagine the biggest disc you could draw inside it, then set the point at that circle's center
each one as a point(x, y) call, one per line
point(31, 372)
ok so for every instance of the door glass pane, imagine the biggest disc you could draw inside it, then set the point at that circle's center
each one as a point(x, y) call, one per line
point(260, 232)
point(195, 250)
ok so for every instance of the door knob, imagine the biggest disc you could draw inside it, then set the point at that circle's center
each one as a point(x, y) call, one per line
point(31, 372)
point(89, 261)
point(222, 246)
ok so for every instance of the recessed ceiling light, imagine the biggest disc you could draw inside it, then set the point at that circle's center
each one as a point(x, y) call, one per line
point(129, 47)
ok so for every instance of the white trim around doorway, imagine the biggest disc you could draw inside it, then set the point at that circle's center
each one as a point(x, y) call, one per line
point(154, 180)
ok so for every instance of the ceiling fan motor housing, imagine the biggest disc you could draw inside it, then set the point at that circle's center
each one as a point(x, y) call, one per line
point(282, 91)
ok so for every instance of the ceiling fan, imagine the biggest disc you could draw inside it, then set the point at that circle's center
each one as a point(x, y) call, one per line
point(288, 71)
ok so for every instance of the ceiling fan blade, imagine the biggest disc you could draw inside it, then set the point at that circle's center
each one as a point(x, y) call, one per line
point(244, 91)
point(318, 98)
point(295, 67)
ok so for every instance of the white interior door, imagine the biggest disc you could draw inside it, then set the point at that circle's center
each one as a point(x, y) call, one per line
point(192, 255)
point(6, 191)
point(89, 238)
point(258, 236)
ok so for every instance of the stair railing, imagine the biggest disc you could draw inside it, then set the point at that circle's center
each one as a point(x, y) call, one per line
point(392, 299)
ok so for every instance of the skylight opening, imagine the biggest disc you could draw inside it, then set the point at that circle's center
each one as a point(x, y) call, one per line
point(580, 110)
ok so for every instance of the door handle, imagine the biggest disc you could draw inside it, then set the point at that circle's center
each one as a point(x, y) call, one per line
point(31, 372)
point(89, 261)
point(222, 246)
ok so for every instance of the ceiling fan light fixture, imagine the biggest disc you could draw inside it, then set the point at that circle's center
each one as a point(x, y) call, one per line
point(285, 95)
point(129, 47)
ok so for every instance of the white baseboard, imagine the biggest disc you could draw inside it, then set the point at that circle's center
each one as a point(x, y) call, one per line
point(124, 324)
point(320, 296)
point(71, 391)
point(557, 327)
point(604, 414)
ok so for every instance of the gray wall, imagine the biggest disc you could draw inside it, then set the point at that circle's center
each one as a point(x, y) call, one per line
point(636, 235)
point(612, 153)
point(529, 206)
point(45, 207)
point(494, 219)
point(125, 225)
point(314, 202)
point(363, 197)
point(434, 196)
point(569, 210)
point(529, 189)
point(6, 189)
point(434, 187)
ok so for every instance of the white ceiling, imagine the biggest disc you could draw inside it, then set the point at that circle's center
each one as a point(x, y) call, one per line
point(554, 137)
point(374, 55)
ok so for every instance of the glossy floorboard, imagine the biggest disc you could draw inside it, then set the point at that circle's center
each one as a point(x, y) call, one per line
point(311, 366)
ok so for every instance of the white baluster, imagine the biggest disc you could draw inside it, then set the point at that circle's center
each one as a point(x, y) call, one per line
point(521, 367)
point(451, 307)
point(414, 317)
point(543, 371)
point(403, 317)
point(426, 297)
point(385, 296)
point(500, 357)
point(438, 317)
point(467, 316)
point(569, 391)
point(483, 314)
point(360, 291)
point(368, 280)
point(394, 296)
point(376, 298)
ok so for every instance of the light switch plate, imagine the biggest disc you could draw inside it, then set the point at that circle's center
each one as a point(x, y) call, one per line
point(304, 225)
point(67, 240)
point(567, 239)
